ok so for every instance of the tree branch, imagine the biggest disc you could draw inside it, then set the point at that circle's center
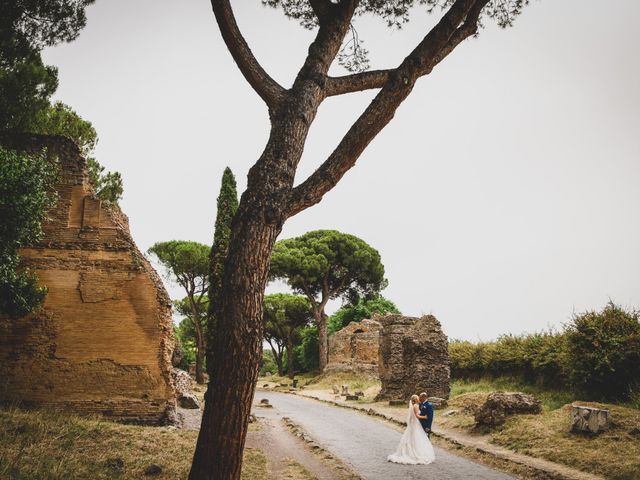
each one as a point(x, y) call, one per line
point(357, 82)
point(437, 44)
point(265, 86)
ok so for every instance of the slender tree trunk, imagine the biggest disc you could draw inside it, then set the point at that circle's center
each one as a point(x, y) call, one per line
point(290, 357)
point(200, 350)
point(278, 358)
point(200, 344)
point(323, 339)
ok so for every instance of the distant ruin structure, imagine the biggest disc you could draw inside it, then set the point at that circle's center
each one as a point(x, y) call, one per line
point(413, 357)
point(355, 348)
point(102, 342)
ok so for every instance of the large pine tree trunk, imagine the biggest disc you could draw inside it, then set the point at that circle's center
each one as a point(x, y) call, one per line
point(236, 355)
point(234, 358)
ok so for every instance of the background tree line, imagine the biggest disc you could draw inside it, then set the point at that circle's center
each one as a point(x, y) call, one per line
point(597, 355)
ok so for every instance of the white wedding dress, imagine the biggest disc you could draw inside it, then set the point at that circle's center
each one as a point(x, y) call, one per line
point(414, 447)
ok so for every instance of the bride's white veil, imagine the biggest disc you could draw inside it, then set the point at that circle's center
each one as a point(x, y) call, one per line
point(410, 415)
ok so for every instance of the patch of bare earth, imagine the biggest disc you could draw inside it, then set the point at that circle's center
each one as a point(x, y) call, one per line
point(289, 457)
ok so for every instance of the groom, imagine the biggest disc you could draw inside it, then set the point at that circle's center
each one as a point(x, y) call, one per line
point(426, 413)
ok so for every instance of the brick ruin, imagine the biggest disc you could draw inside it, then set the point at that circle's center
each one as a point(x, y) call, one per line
point(413, 357)
point(103, 340)
point(408, 354)
point(355, 348)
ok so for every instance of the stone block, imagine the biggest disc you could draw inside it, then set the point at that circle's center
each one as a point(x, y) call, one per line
point(188, 400)
point(498, 405)
point(413, 357)
point(589, 419)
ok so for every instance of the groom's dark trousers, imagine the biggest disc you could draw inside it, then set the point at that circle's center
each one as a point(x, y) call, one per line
point(426, 409)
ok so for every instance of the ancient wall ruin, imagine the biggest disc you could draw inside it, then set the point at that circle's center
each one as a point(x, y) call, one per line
point(355, 348)
point(102, 342)
point(413, 357)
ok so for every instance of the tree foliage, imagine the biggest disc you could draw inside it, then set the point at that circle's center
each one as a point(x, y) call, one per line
point(359, 310)
point(327, 264)
point(352, 55)
point(60, 119)
point(603, 351)
point(186, 332)
point(187, 263)
point(284, 317)
point(26, 27)
point(227, 205)
point(26, 194)
point(596, 355)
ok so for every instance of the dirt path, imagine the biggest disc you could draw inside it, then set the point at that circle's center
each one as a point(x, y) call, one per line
point(280, 446)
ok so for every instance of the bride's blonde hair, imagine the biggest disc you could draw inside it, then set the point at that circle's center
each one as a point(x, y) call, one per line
point(414, 398)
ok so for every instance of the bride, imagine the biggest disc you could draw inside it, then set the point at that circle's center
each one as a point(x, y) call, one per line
point(415, 447)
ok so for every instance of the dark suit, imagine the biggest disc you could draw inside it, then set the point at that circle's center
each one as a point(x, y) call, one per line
point(426, 409)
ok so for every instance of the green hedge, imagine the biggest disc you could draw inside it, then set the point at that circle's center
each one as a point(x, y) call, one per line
point(596, 354)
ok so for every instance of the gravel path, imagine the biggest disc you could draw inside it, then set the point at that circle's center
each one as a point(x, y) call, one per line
point(364, 443)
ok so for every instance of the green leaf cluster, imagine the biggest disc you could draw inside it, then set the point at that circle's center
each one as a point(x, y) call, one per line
point(603, 352)
point(339, 264)
point(187, 262)
point(284, 317)
point(361, 309)
point(60, 119)
point(596, 355)
point(227, 205)
point(26, 194)
point(26, 27)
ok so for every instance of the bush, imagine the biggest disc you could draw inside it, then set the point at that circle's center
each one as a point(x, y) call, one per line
point(360, 310)
point(307, 356)
point(596, 355)
point(268, 363)
point(603, 352)
point(532, 358)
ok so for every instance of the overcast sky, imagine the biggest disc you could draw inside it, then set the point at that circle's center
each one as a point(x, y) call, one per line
point(502, 197)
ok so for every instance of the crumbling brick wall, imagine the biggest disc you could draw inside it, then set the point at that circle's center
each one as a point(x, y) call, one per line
point(413, 357)
point(102, 342)
point(355, 348)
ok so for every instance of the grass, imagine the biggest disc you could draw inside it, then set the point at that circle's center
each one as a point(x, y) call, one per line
point(49, 445)
point(551, 399)
point(295, 471)
point(614, 454)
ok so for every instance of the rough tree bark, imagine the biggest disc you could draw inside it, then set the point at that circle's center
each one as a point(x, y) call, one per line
point(270, 199)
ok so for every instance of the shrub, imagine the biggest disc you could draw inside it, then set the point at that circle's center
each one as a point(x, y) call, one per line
point(359, 310)
point(532, 358)
point(307, 357)
point(603, 352)
point(268, 364)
